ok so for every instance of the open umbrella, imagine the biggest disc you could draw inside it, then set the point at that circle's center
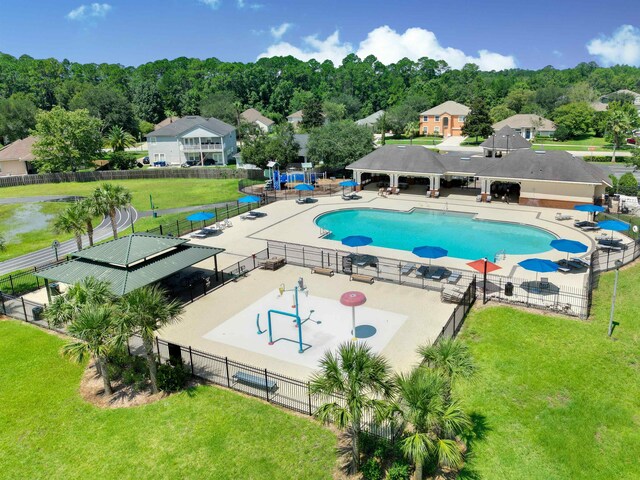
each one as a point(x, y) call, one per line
point(430, 252)
point(200, 217)
point(614, 225)
point(348, 183)
point(484, 266)
point(569, 246)
point(249, 199)
point(353, 300)
point(356, 241)
point(539, 265)
point(304, 186)
point(589, 208)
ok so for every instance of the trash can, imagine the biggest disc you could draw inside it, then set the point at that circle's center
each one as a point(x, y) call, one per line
point(37, 313)
point(508, 289)
point(155, 214)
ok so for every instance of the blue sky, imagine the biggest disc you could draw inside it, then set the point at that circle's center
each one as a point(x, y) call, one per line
point(494, 34)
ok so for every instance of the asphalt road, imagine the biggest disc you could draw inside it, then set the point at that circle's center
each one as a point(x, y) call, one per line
point(124, 218)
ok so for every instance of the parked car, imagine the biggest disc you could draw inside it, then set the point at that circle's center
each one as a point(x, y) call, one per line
point(160, 163)
point(632, 140)
point(145, 160)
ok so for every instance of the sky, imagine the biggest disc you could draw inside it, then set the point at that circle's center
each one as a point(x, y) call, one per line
point(494, 34)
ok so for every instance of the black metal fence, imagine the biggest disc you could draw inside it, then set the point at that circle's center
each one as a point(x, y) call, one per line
point(459, 314)
point(109, 175)
point(25, 310)
point(24, 281)
point(569, 300)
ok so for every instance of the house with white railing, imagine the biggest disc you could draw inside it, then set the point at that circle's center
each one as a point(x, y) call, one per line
point(193, 140)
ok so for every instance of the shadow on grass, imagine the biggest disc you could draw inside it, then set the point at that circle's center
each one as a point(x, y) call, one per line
point(480, 428)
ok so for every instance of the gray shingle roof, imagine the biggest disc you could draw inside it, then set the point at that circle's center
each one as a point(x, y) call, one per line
point(18, 150)
point(371, 119)
point(554, 165)
point(252, 115)
point(450, 107)
point(400, 158)
point(184, 124)
point(459, 163)
point(506, 138)
point(526, 120)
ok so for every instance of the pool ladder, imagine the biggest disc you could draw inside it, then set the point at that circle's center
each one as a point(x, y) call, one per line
point(500, 255)
point(324, 232)
point(446, 208)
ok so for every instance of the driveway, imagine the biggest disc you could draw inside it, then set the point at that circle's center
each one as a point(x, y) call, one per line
point(452, 141)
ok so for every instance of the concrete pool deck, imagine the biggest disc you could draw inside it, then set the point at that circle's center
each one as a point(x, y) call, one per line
point(287, 221)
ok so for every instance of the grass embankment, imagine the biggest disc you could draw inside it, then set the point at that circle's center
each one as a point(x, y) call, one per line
point(48, 431)
point(559, 398)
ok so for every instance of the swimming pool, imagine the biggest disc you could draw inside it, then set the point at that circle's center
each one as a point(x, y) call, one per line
point(459, 233)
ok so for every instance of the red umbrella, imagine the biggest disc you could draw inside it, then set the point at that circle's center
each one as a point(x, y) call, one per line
point(484, 266)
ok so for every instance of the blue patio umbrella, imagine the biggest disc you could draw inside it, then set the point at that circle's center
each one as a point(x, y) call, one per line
point(614, 225)
point(539, 265)
point(589, 208)
point(200, 217)
point(569, 246)
point(427, 251)
point(304, 186)
point(348, 183)
point(249, 199)
point(356, 241)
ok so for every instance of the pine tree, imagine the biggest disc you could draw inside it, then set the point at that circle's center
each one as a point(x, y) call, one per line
point(478, 121)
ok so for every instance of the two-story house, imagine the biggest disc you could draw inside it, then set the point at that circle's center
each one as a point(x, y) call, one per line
point(251, 115)
point(444, 120)
point(193, 140)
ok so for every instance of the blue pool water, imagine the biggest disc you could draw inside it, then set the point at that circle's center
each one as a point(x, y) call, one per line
point(458, 233)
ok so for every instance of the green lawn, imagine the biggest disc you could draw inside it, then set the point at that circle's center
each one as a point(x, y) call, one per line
point(49, 432)
point(416, 141)
point(586, 140)
point(559, 399)
point(472, 141)
point(167, 192)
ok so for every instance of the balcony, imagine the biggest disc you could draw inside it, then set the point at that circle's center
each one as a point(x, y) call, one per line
point(202, 147)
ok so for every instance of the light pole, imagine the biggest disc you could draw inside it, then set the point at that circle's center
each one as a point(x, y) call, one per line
point(618, 264)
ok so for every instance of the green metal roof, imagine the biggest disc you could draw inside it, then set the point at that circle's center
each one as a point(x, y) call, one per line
point(124, 279)
point(130, 249)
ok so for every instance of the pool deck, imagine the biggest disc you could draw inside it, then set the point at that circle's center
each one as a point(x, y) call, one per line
point(287, 221)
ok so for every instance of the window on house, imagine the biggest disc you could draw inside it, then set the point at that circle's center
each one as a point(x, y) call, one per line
point(436, 118)
point(425, 130)
point(461, 118)
point(154, 139)
point(436, 129)
point(158, 157)
point(426, 118)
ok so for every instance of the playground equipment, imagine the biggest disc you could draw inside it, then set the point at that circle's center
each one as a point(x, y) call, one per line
point(300, 287)
point(353, 300)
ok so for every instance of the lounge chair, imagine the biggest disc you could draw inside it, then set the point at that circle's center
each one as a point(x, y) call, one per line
point(437, 274)
point(422, 271)
point(347, 197)
point(580, 261)
point(252, 215)
point(612, 242)
point(563, 216)
point(612, 248)
point(582, 223)
point(454, 277)
point(407, 268)
point(544, 283)
point(563, 266)
point(227, 223)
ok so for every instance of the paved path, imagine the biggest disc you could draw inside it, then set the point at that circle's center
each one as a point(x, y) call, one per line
point(124, 218)
point(167, 211)
point(451, 142)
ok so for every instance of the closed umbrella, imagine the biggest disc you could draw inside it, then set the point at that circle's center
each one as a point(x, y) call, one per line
point(569, 246)
point(428, 251)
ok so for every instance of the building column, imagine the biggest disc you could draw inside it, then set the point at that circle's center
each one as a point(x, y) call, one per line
point(357, 176)
point(483, 188)
point(436, 186)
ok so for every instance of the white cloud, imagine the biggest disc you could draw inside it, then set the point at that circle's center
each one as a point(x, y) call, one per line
point(241, 4)
point(623, 47)
point(86, 12)
point(213, 4)
point(279, 31)
point(321, 50)
point(556, 53)
point(390, 46)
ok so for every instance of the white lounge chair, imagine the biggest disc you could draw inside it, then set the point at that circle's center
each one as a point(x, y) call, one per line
point(407, 268)
point(563, 216)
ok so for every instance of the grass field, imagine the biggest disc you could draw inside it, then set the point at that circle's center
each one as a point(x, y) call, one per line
point(40, 237)
point(167, 192)
point(49, 432)
point(559, 399)
point(416, 141)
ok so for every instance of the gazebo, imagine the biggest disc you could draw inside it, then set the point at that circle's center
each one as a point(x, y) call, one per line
point(130, 262)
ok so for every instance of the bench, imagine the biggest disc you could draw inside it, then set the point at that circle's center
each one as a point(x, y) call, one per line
point(255, 381)
point(357, 277)
point(273, 263)
point(323, 271)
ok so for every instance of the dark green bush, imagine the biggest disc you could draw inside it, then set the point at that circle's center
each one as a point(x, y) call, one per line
point(372, 470)
point(130, 370)
point(172, 378)
point(122, 161)
point(399, 471)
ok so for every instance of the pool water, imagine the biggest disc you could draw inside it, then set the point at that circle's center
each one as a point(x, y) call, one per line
point(459, 233)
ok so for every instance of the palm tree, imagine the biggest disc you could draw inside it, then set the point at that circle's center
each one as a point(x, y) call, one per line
point(93, 329)
point(109, 198)
point(145, 311)
point(411, 129)
point(89, 209)
point(449, 356)
point(119, 139)
point(362, 378)
point(70, 221)
point(429, 420)
point(619, 124)
point(65, 308)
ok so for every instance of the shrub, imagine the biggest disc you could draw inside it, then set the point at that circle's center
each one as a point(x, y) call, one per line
point(172, 378)
point(130, 370)
point(398, 471)
point(562, 133)
point(372, 470)
point(628, 185)
point(122, 161)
